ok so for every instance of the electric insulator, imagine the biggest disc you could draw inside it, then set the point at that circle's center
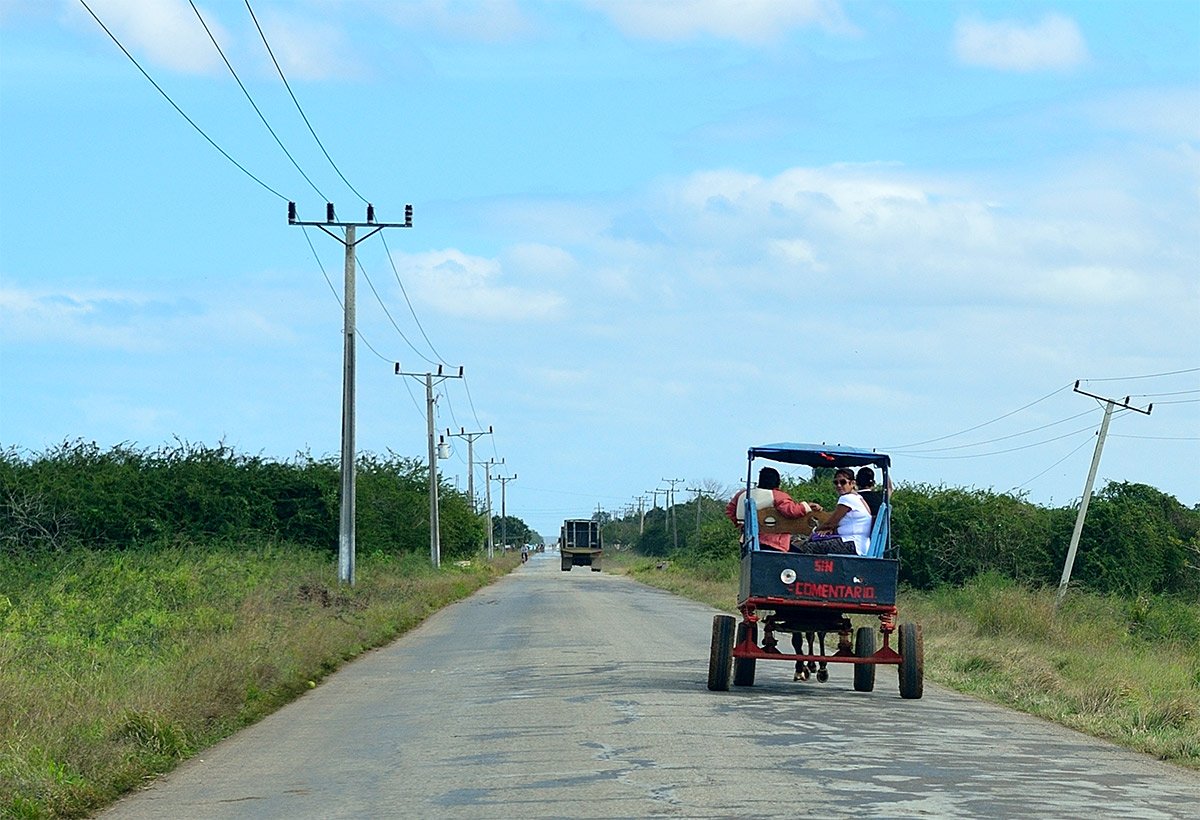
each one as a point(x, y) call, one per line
point(370, 213)
point(408, 215)
point(328, 211)
point(291, 212)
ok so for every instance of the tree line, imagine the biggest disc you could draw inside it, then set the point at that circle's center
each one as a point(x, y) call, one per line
point(78, 494)
point(1136, 539)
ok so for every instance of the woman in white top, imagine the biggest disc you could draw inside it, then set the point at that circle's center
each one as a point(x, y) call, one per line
point(851, 520)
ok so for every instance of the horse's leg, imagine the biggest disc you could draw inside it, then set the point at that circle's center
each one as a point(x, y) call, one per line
point(798, 644)
point(822, 673)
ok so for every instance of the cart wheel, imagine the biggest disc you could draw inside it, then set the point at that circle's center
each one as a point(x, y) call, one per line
point(720, 655)
point(864, 647)
point(912, 661)
point(595, 566)
point(743, 668)
point(566, 565)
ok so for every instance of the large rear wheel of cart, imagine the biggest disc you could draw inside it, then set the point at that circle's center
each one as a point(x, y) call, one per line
point(566, 563)
point(864, 647)
point(720, 654)
point(743, 668)
point(912, 661)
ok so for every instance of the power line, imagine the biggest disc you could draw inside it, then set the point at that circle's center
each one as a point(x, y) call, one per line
point(333, 290)
point(389, 316)
point(1153, 395)
point(408, 301)
point(303, 116)
point(1159, 438)
point(977, 426)
point(1001, 452)
point(1145, 376)
point(1074, 450)
point(471, 401)
point(167, 97)
point(261, 116)
point(1003, 438)
point(308, 123)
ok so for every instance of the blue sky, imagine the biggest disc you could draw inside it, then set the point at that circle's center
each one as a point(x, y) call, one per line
point(653, 233)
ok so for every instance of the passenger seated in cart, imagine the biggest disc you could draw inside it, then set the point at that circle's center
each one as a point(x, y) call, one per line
point(765, 496)
point(864, 481)
point(851, 519)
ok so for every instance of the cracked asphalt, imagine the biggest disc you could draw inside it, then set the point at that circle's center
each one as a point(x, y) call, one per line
point(583, 695)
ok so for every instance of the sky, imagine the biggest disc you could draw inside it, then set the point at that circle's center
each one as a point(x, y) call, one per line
point(653, 234)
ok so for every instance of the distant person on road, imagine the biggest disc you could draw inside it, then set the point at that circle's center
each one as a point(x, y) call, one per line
point(851, 519)
point(766, 495)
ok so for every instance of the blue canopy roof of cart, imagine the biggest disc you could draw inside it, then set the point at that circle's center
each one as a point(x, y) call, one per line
point(820, 455)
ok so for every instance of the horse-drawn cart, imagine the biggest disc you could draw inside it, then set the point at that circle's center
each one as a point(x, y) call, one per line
point(811, 595)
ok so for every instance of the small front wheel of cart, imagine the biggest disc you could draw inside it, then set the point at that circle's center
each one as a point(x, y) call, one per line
point(864, 647)
point(912, 661)
point(743, 668)
point(720, 655)
point(595, 566)
point(566, 564)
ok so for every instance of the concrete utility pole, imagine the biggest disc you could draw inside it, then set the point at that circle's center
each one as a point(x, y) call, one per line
point(487, 483)
point(346, 547)
point(1109, 404)
point(504, 479)
point(672, 512)
point(699, 495)
point(470, 437)
point(641, 514)
point(435, 530)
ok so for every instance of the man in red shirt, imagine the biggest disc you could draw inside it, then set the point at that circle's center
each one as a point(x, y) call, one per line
point(766, 495)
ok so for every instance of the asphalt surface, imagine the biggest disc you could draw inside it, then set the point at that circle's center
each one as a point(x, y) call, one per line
point(583, 695)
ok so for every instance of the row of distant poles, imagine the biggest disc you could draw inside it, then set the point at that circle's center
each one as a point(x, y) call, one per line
point(346, 525)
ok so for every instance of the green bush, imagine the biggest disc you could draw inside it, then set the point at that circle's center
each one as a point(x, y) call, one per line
point(126, 498)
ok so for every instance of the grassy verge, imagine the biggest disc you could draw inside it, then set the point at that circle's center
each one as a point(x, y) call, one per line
point(1124, 670)
point(115, 666)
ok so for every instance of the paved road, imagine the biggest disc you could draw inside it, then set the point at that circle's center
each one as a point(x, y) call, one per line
point(583, 695)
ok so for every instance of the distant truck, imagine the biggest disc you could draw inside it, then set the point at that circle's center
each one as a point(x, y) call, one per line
point(579, 544)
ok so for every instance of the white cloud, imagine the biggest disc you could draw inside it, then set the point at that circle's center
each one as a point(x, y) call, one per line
point(750, 21)
point(165, 31)
point(1054, 42)
point(457, 284)
point(308, 50)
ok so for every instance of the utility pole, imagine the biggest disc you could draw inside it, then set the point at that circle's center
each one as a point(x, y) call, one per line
point(503, 508)
point(435, 532)
point(641, 515)
point(470, 437)
point(699, 495)
point(1109, 404)
point(487, 483)
point(672, 512)
point(346, 547)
